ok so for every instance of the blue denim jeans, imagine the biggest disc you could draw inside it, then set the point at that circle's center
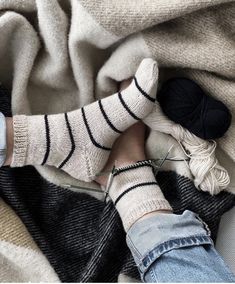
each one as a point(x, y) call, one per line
point(176, 248)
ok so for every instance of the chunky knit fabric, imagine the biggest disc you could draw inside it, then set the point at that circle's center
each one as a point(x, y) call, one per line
point(79, 142)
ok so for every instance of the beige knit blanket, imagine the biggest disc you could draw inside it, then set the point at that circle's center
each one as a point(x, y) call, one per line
point(58, 55)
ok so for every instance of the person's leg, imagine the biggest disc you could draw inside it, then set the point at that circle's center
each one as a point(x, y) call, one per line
point(79, 142)
point(176, 248)
point(166, 247)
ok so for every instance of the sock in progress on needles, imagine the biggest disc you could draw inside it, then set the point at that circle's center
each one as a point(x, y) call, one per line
point(135, 192)
point(79, 142)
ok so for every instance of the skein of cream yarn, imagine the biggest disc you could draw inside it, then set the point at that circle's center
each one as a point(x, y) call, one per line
point(208, 174)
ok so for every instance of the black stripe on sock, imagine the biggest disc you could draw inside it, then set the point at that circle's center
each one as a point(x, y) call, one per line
point(107, 119)
point(142, 91)
point(133, 187)
point(90, 134)
point(119, 171)
point(48, 140)
point(126, 107)
point(71, 139)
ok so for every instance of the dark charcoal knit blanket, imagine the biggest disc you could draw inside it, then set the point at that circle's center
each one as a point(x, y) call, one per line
point(73, 236)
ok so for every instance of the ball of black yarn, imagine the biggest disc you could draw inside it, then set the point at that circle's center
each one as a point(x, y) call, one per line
point(184, 102)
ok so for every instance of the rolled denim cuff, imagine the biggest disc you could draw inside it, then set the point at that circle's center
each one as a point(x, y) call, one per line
point(150, 238)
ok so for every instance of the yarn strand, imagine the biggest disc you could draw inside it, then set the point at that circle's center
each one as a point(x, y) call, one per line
point(208, 174)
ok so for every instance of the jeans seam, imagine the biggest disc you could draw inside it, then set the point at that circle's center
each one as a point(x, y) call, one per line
point(153, 274)
point(133, 248)
point(157, 252)
point(206, 227)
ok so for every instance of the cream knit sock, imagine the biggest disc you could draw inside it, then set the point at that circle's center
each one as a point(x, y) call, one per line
point(135, 192)
point(79, 142)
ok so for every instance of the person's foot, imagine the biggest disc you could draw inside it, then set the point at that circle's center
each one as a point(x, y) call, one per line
point(134, 189)
point(127, 149)
point(79, 142)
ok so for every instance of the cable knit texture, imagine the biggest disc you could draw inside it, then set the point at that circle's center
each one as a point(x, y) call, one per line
point(79, 142)
point(135, 193)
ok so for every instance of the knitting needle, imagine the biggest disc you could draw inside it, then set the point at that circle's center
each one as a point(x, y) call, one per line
point(157, 168)
point(109, 183)
point(68, 186)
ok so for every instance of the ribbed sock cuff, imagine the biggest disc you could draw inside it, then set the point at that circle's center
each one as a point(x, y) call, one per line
point(20, 126)
point(145, 207)
point(135, 193)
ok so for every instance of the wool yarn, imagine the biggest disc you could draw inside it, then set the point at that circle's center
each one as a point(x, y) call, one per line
point(184, 102)
point(208, 174)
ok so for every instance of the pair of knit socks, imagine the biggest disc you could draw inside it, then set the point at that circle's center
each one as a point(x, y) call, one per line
point(79, 142)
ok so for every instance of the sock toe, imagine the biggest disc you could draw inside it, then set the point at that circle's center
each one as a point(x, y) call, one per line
point(146, 77)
